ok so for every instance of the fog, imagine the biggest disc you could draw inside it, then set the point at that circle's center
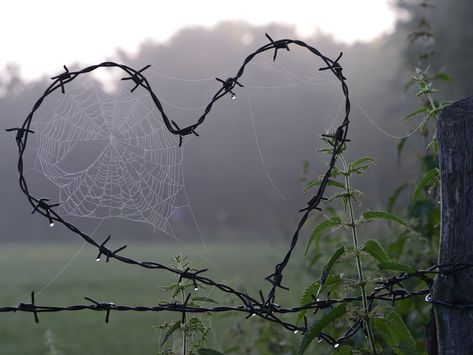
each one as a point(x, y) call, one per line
point(242, 173)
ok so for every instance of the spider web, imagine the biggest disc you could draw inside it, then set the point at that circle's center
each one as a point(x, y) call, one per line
point(110, 155)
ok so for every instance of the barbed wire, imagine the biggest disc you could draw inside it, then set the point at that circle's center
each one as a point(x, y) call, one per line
point(389, 289)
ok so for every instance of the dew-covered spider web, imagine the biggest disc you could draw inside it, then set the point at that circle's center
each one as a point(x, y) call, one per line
point(110, 155)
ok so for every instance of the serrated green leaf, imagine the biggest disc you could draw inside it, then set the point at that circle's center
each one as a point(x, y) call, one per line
point(357, 163)
point(170, 331)
point(318, 182)
point(371, 215)
point(316, 327)
point(392, 265)
point(429, 179)
point(311, 291)
point(393, 198)
point(360, 165)
point(320, 228)
point(392, 328)
point(204, 299)
point(373, 248)
point(415, 113)
point(206, 351)
point(326, 270)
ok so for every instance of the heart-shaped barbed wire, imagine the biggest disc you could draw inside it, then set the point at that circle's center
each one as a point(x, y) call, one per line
point(265, 306)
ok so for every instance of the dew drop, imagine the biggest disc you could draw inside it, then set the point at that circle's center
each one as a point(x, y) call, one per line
point(336, 345)
point(196, 289)
point(51, 224)
point(253, 314)
point(296, 331)
point(98, 259)
point(233, 97)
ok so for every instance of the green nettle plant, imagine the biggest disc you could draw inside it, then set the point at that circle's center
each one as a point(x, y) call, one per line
point(187, 335)
point(384, 328)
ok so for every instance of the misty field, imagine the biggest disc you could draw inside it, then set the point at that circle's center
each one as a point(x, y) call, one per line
point(27, 267)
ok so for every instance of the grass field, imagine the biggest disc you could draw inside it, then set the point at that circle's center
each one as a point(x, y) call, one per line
point(28, 267)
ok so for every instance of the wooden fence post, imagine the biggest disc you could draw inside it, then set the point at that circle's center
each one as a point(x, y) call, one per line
point(455, 135)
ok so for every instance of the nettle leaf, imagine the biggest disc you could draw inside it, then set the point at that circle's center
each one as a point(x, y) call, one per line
point(311, 291)
point(372, 215)
point(316, 183)
point(326, 270)
point(316, 327)
point(392, 265)
point(324, 226)
point(359, 165)
point(353, 194)
point(373, 248)
point(415, 113)
point(430, 179)
point(206, 351)
point(392, 328)
point(170, 331)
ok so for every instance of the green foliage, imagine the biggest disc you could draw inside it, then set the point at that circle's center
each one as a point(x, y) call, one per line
point(330, 182)
point(189, 334)
point(369, 216)
point(328, 267)
point(171, 328)
point(360, 165)
point(393, 330)
point(328, 224)
point(316, 327)
point(373, 248)
point(428, 181)
point(309, 296)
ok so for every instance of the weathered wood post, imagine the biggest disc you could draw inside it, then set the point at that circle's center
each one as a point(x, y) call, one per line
point(455, 135)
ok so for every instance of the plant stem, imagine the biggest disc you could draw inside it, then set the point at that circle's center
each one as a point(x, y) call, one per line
point(183, 324)
point(359, 266)
point(184, 332)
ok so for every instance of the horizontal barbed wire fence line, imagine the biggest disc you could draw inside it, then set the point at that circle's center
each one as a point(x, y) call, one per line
point(262, 306)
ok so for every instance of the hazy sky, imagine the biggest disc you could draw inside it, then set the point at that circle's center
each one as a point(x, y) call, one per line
point(41, 36)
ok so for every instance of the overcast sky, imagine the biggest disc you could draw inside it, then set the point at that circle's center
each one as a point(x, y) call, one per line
point(41, 36)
